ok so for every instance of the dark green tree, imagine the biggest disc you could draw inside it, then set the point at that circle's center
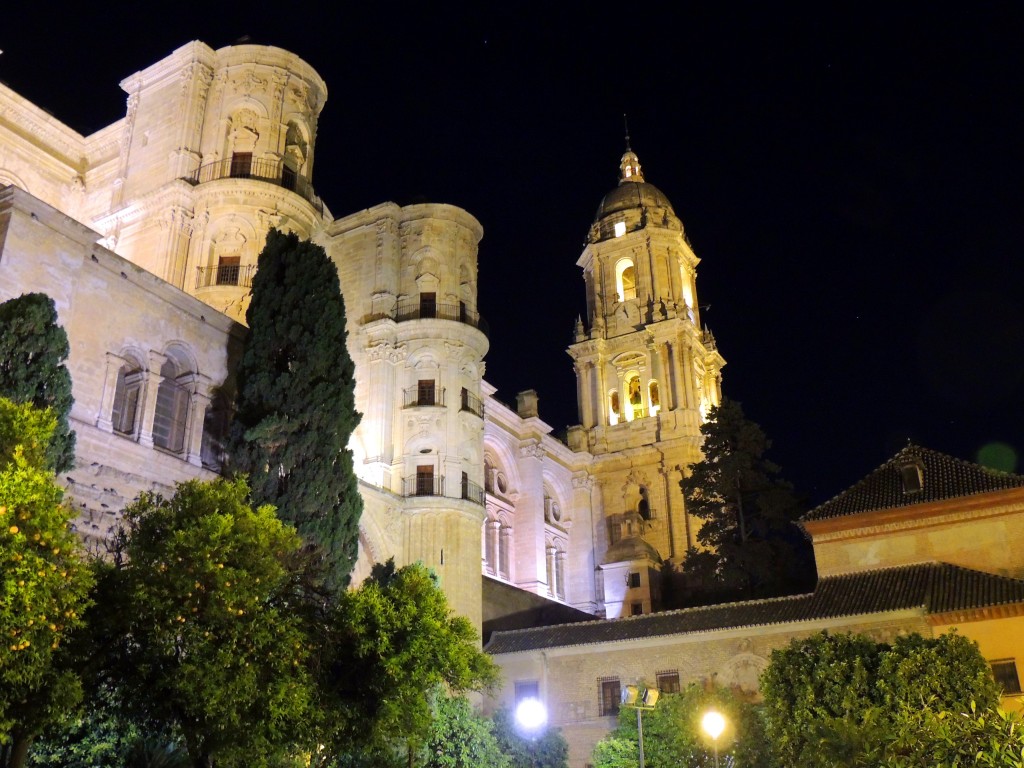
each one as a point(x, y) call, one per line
point(295, 405)
point(545, 750)
point(33, 348)
point(673, 735)
point(390, 645)
point(750, 545)
point(462, 738)
point(835, 700)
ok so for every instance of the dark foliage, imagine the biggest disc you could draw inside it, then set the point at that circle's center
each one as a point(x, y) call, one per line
point(295, 407)
point(33, 348)
point(750, 545)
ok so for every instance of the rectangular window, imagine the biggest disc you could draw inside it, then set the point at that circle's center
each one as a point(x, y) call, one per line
point(636, 609)
point(288, 178)
point(428, 305)
point(425, 390)
point(610, 691)
point(1005, 673)
point(634, 581)
point(668, 682)
point(227, 270)
point(425, 480)
point(241, 164)
point(527, 689)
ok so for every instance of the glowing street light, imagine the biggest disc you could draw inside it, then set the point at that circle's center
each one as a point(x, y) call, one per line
point(531, 714)
point(713, 725)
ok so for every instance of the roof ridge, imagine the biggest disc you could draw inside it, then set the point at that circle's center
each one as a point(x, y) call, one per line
point(969, 478)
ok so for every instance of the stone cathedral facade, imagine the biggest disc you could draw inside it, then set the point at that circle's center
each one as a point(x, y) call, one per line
point(147, 234)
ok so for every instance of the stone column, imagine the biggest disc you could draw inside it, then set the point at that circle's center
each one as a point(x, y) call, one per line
point(105, 419)
point(686, 364)
point(151, 385)
point(200, 404)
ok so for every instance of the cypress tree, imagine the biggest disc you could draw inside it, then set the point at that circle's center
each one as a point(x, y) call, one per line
point(295, 404)
point(751, 546)
point(33, 348)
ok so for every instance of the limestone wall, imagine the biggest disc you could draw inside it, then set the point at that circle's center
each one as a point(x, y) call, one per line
point(113, 311)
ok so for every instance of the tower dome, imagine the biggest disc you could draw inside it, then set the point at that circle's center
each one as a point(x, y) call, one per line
point(632, 205)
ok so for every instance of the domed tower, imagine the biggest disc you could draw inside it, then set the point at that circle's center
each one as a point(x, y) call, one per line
point(216, 147)
point(646, 375)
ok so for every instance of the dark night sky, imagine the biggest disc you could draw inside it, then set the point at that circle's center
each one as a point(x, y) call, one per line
point(852, 182)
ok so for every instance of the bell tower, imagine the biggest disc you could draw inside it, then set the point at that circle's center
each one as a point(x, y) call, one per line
point(647, 374)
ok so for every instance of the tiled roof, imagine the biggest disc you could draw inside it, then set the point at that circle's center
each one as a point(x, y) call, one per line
point(943, 477)
point(932, 587)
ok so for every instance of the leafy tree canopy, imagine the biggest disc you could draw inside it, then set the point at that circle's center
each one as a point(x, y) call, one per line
point(33, 348)
point(205, 629)
point(829, 698)
point(750, 546)
point(673, 735)
point(393, 640)
point(44, 583)
point(295, 407)
point(462, 738)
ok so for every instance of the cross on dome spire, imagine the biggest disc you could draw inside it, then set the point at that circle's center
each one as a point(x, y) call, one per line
point(629, 166)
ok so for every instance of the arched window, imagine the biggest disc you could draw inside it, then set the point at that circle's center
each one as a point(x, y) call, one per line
point(127, 396)
point(625, 280)
point(635, 410)
point(555, 562)
point(172, 402)
point(653, 397)
point(497, 545)
point(643, 507)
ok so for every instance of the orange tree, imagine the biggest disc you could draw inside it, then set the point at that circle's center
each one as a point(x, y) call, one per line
point(202, 623)
point(44, 583)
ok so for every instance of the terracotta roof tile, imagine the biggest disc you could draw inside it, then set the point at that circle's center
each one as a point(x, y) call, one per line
point(932, 587)
point(942, 477)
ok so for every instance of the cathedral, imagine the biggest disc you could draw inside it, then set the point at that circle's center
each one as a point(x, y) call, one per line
point(146, 234)
point(175, 200)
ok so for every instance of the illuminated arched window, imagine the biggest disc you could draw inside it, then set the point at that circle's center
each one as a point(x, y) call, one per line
point(625, 280)
point(635, 407)
point(653, 397)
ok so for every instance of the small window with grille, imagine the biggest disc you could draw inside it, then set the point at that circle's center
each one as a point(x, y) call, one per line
point(668, 682)
point(1005, 673)
point(610, 692)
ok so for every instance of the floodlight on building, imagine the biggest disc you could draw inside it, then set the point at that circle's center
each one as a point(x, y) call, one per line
point(640, 699)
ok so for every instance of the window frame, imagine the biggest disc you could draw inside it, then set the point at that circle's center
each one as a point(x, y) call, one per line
point(608, 702)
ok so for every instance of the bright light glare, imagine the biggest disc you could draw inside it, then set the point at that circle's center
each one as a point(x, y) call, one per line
point(531, 714)
point(713, 724)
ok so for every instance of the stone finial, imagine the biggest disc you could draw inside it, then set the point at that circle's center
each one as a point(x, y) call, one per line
point(526, 404)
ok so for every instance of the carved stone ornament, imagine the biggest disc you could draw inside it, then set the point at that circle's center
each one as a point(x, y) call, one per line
point(531, 450)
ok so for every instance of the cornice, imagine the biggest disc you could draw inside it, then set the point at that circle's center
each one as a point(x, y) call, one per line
point(40, 129)
point(917, 516)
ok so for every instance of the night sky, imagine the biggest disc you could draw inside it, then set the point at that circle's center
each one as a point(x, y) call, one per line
point(852, 182)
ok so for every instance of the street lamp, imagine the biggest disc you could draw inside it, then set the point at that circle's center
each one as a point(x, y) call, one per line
point(713, 725)
point(640, 699)
point(531, 716)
